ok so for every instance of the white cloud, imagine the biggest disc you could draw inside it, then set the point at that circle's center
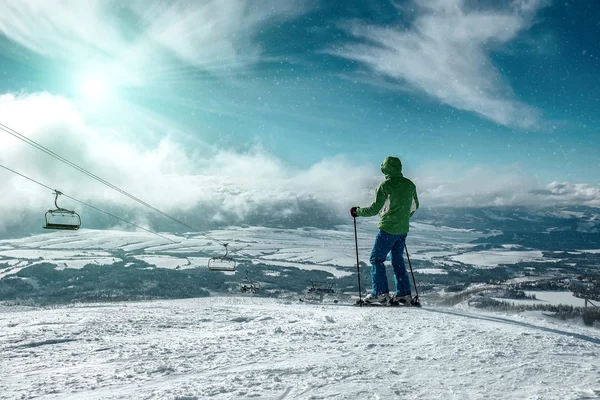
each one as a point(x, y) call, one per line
point(449, 184)
point(219, 187)
point(210, 33)
point(446, 184)
point(62, 28)
point(445, 54)
point(569, 193)
point(214, 32)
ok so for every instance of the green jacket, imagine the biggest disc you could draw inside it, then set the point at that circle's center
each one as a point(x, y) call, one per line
point(400, 192)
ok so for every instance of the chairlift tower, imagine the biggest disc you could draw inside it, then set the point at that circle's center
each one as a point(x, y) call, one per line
point(588, 290)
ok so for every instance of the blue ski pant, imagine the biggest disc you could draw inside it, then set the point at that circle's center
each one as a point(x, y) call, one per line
point(384, 243)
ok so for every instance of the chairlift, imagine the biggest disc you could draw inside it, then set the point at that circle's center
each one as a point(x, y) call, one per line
point(318, 291)
point(61, 218)
point(222, 263)
point(321, 287)
point(249, 286)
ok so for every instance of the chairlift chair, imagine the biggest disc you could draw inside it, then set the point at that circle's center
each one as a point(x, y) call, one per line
point(222, 263)
point(248, 285)
point(321, 287)
point(61, 218)
point(318, 291)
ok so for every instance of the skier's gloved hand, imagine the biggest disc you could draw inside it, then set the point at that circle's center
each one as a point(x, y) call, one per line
point(353, 211)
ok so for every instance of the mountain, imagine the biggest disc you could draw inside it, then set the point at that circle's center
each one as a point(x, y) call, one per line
point(516, 219)
point(551, 228)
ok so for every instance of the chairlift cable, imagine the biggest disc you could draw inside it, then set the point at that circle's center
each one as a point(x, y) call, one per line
point(100, 210)
point(51, 153)
point(93, 207)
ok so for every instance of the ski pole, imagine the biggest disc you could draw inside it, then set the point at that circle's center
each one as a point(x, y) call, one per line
point(357, 264)
point(416, 299)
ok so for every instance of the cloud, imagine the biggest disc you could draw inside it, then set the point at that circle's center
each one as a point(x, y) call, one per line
point(217, 32)
point(570, 193)
point(446, 184)
point(213, 187)
point(61, 28)
point(445, 55)
point(210, 33)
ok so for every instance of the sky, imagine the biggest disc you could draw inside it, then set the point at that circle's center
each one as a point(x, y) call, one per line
point(228, 109)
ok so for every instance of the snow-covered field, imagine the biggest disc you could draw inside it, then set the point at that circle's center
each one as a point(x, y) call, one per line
point(310, 249)
point(549, 297)
point(431, 271)
point(252, 348)
point(498, 257)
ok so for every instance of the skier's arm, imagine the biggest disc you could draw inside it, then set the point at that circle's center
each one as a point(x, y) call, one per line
point(376, 206)
point(416, 201)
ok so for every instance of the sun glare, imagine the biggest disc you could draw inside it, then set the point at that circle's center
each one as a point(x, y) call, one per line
point(94, 88)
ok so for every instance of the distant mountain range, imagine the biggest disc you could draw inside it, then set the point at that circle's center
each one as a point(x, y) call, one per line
point(515, 219)
point(553, 228)
point(578, 221)
point(550, 228)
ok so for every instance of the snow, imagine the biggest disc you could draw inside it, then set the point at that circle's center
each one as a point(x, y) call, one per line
point(444, 235)
point(272, 273)
point(512, 246)
point(335, 271)
point(557, 298)
point(328, 250)
point(166, 261)
point(432, 228)
point(80, 263)
point(493, 216)
point(33, 254)
point(424, 253)
point(495, 258)
point(251, 347)
point(23, 258)
point(432, 271)
point(568, 214)
point(242, 348)
point(9, 271)
point(549, 297)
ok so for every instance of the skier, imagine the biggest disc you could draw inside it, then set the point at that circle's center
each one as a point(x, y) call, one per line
point(394, 202)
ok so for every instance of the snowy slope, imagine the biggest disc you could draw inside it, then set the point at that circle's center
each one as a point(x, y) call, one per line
point(242, 348)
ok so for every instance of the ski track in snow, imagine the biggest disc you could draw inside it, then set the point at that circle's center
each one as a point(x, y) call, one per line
point(253, 348)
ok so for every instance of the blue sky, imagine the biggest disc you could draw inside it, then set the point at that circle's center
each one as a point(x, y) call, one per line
point(465, 92)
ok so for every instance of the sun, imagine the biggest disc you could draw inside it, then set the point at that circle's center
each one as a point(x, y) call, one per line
point(94, 88)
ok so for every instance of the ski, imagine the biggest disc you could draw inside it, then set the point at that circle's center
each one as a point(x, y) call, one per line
point(393, 301)
point(414, 303)
point(357, 303)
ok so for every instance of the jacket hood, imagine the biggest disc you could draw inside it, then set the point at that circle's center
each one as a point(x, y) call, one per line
point(391, 167)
